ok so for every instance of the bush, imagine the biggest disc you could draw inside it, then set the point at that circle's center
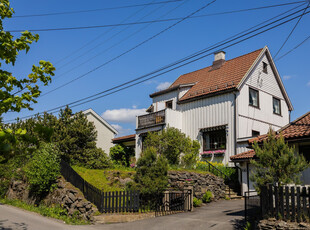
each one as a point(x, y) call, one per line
point(197, 202)
point(207, 197)
point(151, 173)
point(228, 171)
point(43, 169)
point(96, 159)
point(121, 155)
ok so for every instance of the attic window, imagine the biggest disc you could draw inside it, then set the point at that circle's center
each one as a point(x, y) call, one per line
point(265, 65)
point(169, 104)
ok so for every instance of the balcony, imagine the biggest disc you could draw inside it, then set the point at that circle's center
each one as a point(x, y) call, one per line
point(152, 119)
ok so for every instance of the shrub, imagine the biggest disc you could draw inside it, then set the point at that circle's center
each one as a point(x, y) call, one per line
point(96, 159)
point(207, 197)
point(121, 155)
point(228, 171)
point(197, 202)
point(43, 169)
point(151, 173)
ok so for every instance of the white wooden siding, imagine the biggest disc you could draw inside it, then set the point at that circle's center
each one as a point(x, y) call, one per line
point(159, 101)
point(174, 119)
point(260, 119)
point(209, 112)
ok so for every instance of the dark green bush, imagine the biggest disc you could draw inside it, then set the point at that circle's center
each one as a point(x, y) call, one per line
point(121, 155)
point(96, 159)
point(43, 169)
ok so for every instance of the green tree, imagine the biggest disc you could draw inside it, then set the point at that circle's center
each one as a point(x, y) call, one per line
point(277, 162)
point(172, 144)
point(16, 93)
point(151, 173)
point(121, 154)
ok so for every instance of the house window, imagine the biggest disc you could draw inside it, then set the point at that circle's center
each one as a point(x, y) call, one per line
point(253, 97)
point(255, 133)
point(276, 106)
point(169, 104)
point(213, 140)
point(265, 65)
point(305, 150)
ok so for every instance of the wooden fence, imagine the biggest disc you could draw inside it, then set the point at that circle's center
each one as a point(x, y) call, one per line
point(285, 202)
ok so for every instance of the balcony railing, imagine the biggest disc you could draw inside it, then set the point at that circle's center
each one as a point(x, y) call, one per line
point(151, 119)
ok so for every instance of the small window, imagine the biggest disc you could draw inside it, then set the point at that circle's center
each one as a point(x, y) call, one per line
point(265, 69)
point(253, 97)
point(169, 104)
point(276, 106)
point(255, 133)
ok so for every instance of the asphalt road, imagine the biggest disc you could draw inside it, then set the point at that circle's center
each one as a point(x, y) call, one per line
point(221, 215)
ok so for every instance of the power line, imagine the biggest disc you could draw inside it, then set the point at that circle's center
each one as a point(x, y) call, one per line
point(291, 50)
point(95, 10)
point(144, 22)
point(289, 35)
point(131, 49)
point(169, 70)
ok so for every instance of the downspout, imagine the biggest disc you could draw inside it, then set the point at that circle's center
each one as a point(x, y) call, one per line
point(247, 177)
point(235, 123)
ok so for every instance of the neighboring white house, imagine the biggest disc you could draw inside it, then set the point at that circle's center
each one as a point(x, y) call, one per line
point(221, 106)
point(296, 134)
point(105, 132)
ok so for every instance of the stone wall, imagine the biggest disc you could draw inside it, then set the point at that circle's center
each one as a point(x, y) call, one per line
point(65, 195)
point(281, 225)
point(200, 182)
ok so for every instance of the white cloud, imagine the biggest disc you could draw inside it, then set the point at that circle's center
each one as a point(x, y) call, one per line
point(163, 85)
point(308, 84)
point(287, 77)
point(123, 115)
point(122, 131)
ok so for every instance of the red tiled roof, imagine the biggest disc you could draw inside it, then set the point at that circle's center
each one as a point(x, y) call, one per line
point(243, 156)
point(227, 77)
point(299, 128)
point(124, 138)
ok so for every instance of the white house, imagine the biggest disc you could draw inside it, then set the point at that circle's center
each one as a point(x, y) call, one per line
point(105, 132)
point(221, 106)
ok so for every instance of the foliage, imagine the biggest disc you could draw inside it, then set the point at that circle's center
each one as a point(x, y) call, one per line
point(55, 211)
point(197, 202)
point(103, 178)
point(43, 169)
point(17, 93)
point(172, 143)
point(278, 163)
point(207, 197)
point(228, 171)
point(151, 173)
point(121, 154)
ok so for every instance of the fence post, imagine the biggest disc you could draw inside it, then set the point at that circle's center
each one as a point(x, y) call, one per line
point(293, 203)
point(287, 203)
point(298, 204)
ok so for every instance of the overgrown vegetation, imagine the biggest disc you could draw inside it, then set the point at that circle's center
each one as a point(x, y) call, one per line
point(207, 197)
point(175, 146)
point(197, 202)
point(277, 162)
point(43, 169)
point(54, 211)
point(228, 171)
point(122, 155)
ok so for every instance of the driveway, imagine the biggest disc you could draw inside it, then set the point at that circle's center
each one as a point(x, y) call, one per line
point(217, 215)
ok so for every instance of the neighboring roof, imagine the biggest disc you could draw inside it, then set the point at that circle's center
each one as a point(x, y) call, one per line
point(211, 80)
point(131, 137)
point(300, 128)
point(227, 77)
point(243, 156)
point(101, 120)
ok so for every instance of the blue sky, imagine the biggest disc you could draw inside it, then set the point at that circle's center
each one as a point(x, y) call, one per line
point(75, 52)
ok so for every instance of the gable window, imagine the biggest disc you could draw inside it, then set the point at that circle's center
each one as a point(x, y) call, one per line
point(214, 140)
point(169, 104)
point(255, 133)
point(265, 65)
point(276, 105)
point(253, 97)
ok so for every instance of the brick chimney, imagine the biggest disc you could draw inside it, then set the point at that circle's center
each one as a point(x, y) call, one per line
point(219, 60)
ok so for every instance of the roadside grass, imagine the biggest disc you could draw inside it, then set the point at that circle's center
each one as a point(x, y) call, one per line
point(104, 178)
point(53, 211)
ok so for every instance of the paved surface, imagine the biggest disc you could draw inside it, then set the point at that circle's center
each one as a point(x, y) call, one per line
point(221, 215)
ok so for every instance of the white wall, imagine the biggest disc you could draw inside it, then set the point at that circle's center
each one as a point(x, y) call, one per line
point(209, 112)
point(104, 134)
point(174, 119)
point(260, 119)
point(159, 101)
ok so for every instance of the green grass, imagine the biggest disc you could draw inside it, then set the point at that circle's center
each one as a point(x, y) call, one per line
point(100, 177)
point(54, 211)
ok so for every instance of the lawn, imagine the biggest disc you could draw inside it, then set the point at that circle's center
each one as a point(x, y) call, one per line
point(105, 179)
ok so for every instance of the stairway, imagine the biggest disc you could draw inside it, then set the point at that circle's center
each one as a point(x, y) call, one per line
point(233, 194)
